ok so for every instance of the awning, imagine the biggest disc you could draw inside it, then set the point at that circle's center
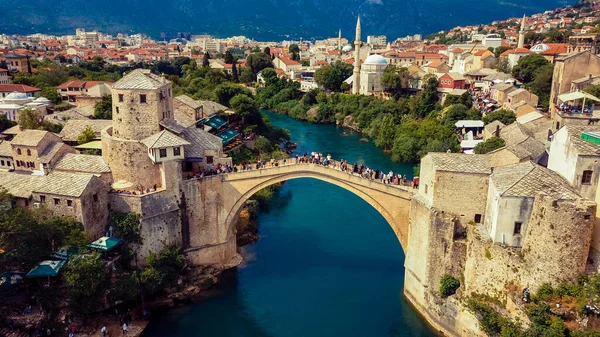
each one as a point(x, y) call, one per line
point(64, 253)
point(469, 124)
point(46, 269)
point(93, 145)
point(469, 144)
point(228, 135)
point(105, 243)
point(121, 185)
point(216, 122)
point(576, 95)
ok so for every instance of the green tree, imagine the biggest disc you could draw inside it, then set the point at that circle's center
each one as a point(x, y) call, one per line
point(51, 94)
point(103, 109)
point(127, 226)
point(228, 57)
point(5, 123)
point(387, 131)
point(267, 51)
point(223, 93)
point(246, 76)
point(258, 61)
point(489, 145)
point(499, 50)
point(263, 145)
point(86, 136)
point(528, 66)
point(505, 116)
point(85, 278)
point(243, 105)
point(395, 79)
point(428, 100)
point(205, 58)
point(542, 85)
point(293, 48)
point(331, 77)
point(234, 73)
point(29, 119)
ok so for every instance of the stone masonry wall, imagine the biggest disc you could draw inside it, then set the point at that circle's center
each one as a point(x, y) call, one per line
point(557, 241)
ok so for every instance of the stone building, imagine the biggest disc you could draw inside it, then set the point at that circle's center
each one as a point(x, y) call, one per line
point(584, 42)
point(569, 68)
point(36, 151)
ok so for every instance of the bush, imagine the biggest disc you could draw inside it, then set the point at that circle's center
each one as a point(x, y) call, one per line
point(448, 285)
point(489, 145)
point(544, 292)
point(63, 106)
point(490, 320)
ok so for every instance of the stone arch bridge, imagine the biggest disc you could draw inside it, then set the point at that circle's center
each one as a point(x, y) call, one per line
point(391, 201)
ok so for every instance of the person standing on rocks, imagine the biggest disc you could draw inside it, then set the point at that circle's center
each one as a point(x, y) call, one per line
point(125, 329)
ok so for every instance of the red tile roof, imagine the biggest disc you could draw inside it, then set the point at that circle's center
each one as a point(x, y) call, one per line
point(289, 62)
point(18, 88)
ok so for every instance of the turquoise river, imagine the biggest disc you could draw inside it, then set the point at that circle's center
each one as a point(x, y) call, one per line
point(326, 263)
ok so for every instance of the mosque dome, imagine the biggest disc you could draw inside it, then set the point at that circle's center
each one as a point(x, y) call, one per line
point(42, 100)
point(347, 48)
point(16, 96)
point(375, 59)
point(539, 48)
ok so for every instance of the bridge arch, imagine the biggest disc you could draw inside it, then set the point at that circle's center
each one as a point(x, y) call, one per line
point(392, 202)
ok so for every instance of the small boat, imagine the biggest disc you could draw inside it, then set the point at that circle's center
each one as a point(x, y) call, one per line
point(291, 145)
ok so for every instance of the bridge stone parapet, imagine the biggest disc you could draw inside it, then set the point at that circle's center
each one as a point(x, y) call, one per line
point(391, 201)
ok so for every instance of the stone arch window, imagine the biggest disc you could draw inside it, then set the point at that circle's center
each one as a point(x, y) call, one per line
point(19, 151)
point(28, 152)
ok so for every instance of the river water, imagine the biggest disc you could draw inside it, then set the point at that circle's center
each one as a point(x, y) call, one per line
point(326, 263)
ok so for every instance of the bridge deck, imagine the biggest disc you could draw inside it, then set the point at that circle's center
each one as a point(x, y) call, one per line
point(332, 170)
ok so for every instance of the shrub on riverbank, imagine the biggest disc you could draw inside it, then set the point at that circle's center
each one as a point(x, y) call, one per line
point(448, 285)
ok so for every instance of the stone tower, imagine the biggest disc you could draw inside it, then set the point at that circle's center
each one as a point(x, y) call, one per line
point(140, 101)
point(522, 34)
point(356, 72)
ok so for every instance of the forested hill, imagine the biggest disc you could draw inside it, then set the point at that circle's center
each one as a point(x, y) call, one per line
point(260, 19)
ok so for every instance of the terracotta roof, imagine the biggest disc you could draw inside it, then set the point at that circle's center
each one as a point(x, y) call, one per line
point(288, 62)
point(555, 49)
point(71, 84)
point(457, 50)
point(18, 88)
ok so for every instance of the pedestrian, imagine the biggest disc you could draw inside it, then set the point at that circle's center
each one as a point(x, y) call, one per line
point(124, 329)
point(103, 330)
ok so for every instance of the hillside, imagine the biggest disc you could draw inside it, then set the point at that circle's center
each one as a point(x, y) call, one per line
point(260, 19)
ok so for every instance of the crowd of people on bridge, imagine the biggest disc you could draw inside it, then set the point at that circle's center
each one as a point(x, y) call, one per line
point(316, 158)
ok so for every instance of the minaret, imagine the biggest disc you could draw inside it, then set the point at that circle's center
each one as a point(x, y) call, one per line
point(356, 73)
point(340, 40)
point(522, 34)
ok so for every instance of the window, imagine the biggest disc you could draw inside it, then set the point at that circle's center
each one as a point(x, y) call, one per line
point(2, 162)
point(18, 151)
point(43, 199)
point(162, 153)
point(425, 188)
point(142, 98)
point(70, 203)
point(28, 152)
point(56, 201)
point(477, 218)
point(586, 178)
point(177, 151)
point(517, 229)
point(209, 159)
point(120, 98)
point(95, 197)
point(117, 109)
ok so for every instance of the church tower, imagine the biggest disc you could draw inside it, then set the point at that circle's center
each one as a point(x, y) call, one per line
point(356, 72)
point(522, 34)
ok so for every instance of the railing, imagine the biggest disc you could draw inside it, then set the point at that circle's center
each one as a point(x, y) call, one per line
point(333, 165)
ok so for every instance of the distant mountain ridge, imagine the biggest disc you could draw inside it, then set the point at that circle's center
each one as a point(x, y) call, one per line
point(262, 20)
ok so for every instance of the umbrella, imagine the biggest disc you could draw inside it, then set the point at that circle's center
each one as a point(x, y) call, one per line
point(105, 243)
point(46, 269)
point(121, 184)
point(64, 253)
